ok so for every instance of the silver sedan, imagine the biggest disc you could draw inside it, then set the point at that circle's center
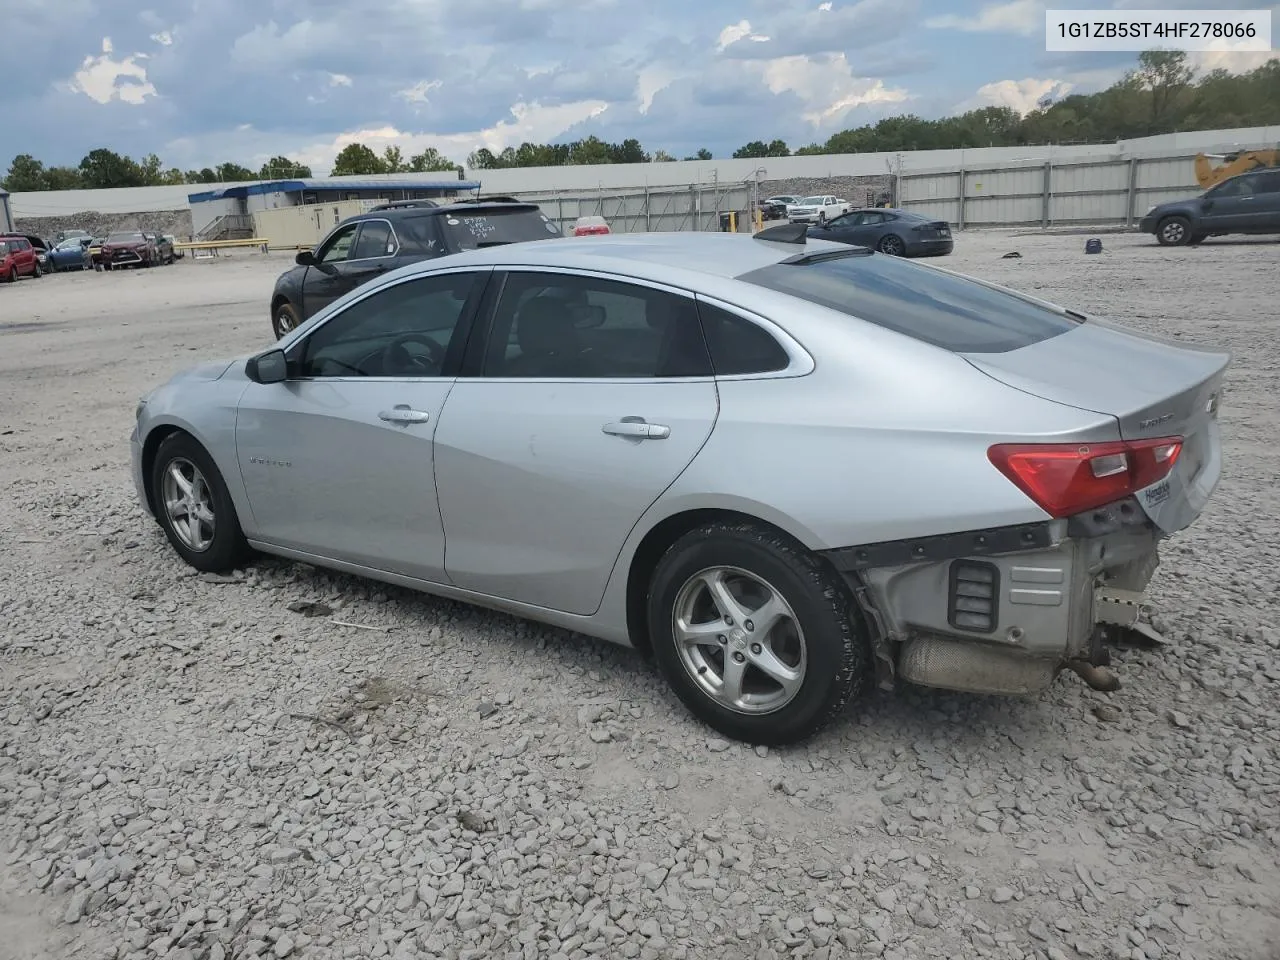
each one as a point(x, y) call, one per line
point(786, 469)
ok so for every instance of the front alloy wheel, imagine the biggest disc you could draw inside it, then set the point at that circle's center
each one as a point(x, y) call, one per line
point(1174, 231)
point(193, 506)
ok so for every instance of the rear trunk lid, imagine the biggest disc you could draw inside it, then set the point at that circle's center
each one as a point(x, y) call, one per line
point(1151, 386)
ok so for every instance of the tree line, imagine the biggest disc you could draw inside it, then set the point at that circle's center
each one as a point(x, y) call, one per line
point(1160, 95)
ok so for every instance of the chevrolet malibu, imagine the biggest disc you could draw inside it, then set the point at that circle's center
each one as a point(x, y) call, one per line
point(787, 469)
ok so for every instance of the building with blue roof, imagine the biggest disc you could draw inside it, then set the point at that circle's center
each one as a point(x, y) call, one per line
point(228, 211)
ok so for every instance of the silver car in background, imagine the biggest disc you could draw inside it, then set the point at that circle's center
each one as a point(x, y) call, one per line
point(786, 469)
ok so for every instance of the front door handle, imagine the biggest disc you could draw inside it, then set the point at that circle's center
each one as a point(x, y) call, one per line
point(636, 429)
point(402, 413)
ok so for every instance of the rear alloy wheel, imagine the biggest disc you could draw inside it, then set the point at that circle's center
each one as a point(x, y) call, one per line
point(757, 637)
point(1174, 231)
point(284, 319)
point(194, 507)
point(892, 245)
point(38, 272)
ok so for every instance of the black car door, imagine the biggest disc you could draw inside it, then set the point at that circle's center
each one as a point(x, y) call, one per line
point(1267, 190)
point(373, 252)
point(323, 283)
point(843, 229)
point(1229, 207)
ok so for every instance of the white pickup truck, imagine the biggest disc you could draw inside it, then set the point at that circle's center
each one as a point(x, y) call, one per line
point(817, 209)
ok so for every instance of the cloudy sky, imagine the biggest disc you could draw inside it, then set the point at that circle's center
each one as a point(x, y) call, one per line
point(203, 81)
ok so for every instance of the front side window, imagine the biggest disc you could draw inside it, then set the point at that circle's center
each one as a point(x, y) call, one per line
point(339, 246)
point(1239, 187)
point(403, 330)
point(375, 240)
point(550, 325)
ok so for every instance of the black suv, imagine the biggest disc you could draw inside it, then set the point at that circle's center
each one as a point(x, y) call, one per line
point(368, 244)
point(1246, 203)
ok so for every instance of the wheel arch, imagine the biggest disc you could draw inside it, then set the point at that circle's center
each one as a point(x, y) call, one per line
point(660, 537)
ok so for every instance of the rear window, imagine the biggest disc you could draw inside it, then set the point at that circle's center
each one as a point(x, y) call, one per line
point(467, 231)
point(125, 238)
point(947, 311)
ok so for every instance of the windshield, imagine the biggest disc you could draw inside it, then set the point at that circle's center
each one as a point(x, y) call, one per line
point(72, 244)
point(948, 311)
point(467, 231)
point(811, 202)
point(125, 237)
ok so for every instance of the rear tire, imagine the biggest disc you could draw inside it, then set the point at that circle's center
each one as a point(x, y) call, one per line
point(193, 506)
point(13, 275)
point(892, 245)
point(794, 674)
point(1173, 231)
point(284, 319)
point(37, 273)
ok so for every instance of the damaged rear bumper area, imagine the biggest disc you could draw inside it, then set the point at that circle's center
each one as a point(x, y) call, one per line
point(1001, 611)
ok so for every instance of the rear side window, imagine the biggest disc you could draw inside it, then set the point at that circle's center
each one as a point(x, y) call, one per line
point(947, 311)
point(467, 231)
point(739, 346)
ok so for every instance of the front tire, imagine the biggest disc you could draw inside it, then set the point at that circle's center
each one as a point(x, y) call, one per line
point(757, 637)
point(284, 319)
point(1173, 231)
point(193, 506)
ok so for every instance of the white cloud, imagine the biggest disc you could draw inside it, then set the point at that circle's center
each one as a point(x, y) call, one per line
point(652, 79)
point(1017, 16)
point(1021, 95)
point(418, 92)
point(339, 80)
point(827, 85)
point(164, 38)
point(530, 121)
point(825, 6)
point(1225, 58)
point(104, 79)
point(738, 31)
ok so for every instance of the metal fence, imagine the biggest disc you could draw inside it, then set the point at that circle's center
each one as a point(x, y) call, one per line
point(692, 207)
point(1045, 193)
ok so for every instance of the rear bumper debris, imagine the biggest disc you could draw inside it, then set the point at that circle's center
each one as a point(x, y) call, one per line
point(1001, 611)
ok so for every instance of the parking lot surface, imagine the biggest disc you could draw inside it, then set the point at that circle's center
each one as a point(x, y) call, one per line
point(191, 770)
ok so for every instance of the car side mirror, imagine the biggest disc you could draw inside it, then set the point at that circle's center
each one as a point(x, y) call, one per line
point(269, 367)
point(305, 258)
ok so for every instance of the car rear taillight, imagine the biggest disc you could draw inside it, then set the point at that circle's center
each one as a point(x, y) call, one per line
point(1069, 478)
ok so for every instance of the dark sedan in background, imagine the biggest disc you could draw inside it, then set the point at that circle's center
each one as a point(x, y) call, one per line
point(369, 244)
point(889, 230)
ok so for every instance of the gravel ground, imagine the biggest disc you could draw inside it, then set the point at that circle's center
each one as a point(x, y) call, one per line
point(191, 770)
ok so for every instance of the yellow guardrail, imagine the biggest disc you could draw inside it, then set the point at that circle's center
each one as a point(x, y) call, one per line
point(222, 244)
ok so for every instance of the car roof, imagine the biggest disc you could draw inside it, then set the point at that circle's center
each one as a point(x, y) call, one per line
point(467, 206)
point(657, 256)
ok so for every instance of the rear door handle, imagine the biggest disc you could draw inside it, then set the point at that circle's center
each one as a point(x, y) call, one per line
point(401, 413)
point(637, 429)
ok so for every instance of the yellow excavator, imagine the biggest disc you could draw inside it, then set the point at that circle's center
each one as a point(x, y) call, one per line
point(1208, 175)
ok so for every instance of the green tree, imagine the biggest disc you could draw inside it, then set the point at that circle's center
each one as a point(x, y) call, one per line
point(63, 178)
point(356, 159)
point(628, 151)
point(26, 175)
point(282, 168)
point(591, 150)
point(429, 160)
point(702, 154)
point(661, 156)
point(758, 148)
point(233, 172)
point(172, 177)
point(1166, 75)
point(103, 169)
point(393, 161)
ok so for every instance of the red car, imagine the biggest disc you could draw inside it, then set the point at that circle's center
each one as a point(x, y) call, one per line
point(17, 258)
point(128, 248)
point(590, 227)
